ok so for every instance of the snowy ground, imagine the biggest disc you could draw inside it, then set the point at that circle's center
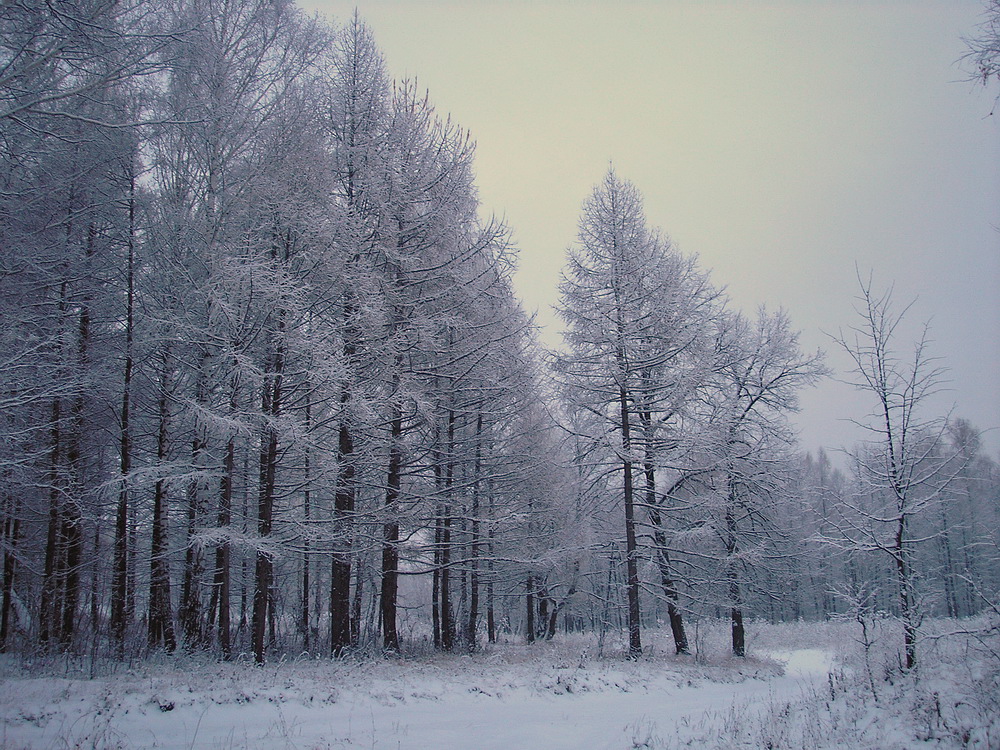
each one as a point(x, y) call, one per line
point(548, 695)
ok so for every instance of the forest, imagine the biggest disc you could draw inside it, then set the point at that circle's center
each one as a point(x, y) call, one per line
point(267, 389)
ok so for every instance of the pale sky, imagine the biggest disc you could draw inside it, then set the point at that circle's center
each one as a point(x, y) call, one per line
point(783, 143)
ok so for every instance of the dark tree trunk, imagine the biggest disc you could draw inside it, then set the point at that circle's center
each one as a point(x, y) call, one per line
point(667, 584)
point(268, 463)
point(161, 624)
point(222, 576)
point(906, 611)
point(72, 533)
point(72, 520)
point(95, 583)
point(189, 612)
point(529, 612)
point(222, 579)
point(732, 573)
point(304, 624)
point(244, 563)
point(344, 498)
point(120, 563)
point(673, 611)
point(739, 636)
point(472, 623)
point(263, 565)
point(51, 589)
point(390, 529)
point(436, 575)
point(340, 577)
point(160, 630)
point(304, 628)
point(660, 541)
point(631, 547)
point(447, 613)
point(491, 620)
point(550, 630)
point(132, 564)
point(543, 610)
point(11, 535)
point(443, 470)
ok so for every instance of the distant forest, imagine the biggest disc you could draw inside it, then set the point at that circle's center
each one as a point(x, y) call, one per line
point(266, 388)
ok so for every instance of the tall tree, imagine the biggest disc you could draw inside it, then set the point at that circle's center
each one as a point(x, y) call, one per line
point(357, 120)
point(425, 241)
point(625, 293)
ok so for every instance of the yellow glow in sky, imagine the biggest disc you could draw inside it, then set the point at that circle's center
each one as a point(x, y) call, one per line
point(784, 143)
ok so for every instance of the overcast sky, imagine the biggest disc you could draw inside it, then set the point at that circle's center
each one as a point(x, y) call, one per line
point(783, 143)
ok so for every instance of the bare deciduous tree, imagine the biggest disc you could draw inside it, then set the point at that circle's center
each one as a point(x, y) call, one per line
point(901, 468)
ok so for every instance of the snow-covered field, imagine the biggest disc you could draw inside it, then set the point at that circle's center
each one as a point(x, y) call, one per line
point(546, 695)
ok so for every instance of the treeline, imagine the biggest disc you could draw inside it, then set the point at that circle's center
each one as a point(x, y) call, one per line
point(260, 354)
point(266, 386)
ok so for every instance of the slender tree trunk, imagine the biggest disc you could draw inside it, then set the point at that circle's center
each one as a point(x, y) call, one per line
point(340, 577)
point(949, 575)
point(160, 630)
point(306, 546)
point(222, 578)
point(667, 584)
point(263, 570)
point(660, 541)
point(189, 612)
point(732, 575)
point(447, 613)
point(443, 474)
point(436, 573)
point(95, 583)
point(358, 598)
point(132, 564)
point(120, 564)
point(543, 609)
point(557, 607)
point(529, 609)
point(390, 529)
point(472, 624)
point(906, 610)
point(11, 535)
point(73, 534)
point(244, 562)
point(736, 616)
point(631, 547)
point(263, 565)
point(345, 496)
point(491, 620)
point(51, 589)
point(54, 575)
point(72, 519)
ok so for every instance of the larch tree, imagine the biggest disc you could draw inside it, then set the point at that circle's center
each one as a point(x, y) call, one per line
point(424, 243)
point(758, 374)
point(356, 116)
point(630, 305)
